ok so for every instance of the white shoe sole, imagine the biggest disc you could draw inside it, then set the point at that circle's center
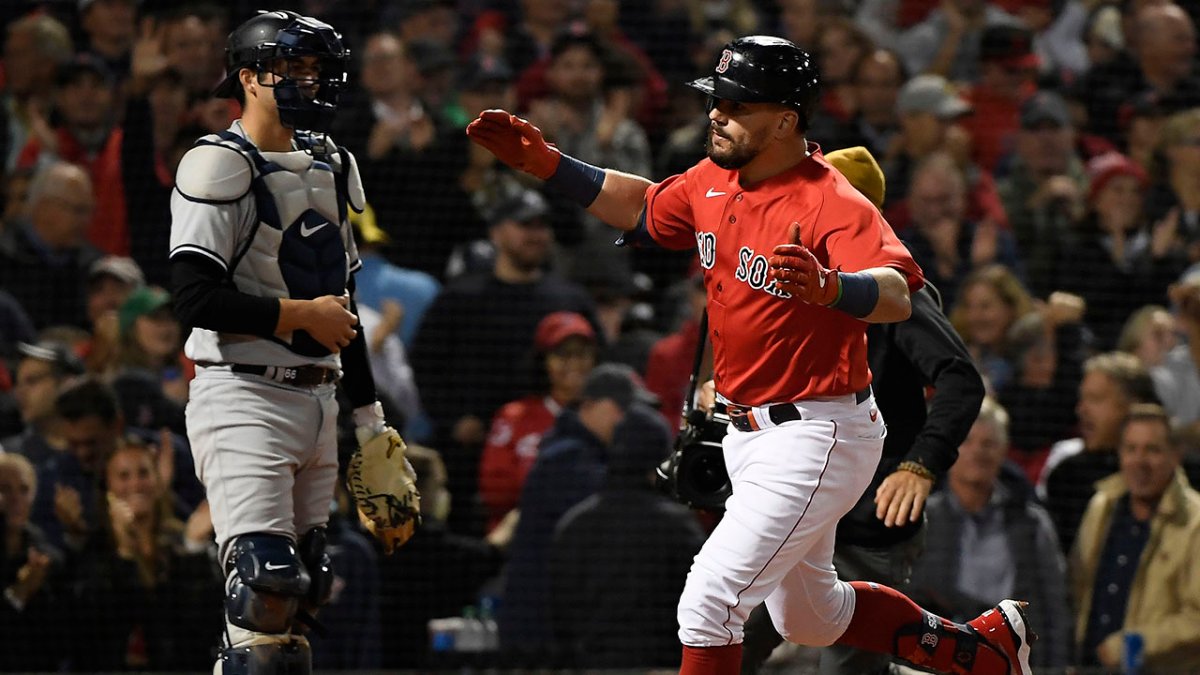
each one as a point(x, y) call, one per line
point(1014, 616)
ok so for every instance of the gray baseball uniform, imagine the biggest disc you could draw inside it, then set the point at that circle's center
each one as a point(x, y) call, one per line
point(276, 222)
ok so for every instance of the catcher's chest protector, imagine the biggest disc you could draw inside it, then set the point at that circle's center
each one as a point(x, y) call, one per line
point(295, 247)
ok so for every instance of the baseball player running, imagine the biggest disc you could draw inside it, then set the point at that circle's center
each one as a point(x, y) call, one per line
point(262, 256)
point(796, 264)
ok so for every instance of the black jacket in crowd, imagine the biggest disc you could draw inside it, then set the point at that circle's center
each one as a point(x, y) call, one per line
point(905, 358)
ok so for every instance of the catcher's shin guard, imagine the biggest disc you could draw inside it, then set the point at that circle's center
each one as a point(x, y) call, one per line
point(266, 655)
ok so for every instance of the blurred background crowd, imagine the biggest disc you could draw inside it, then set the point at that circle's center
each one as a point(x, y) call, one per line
point(1042, 161)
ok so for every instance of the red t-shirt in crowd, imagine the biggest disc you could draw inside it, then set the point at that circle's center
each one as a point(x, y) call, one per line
point(511, 448)
point(769, 347)
point(109, 229)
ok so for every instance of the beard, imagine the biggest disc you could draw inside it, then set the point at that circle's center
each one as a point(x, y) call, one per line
point(735, 157)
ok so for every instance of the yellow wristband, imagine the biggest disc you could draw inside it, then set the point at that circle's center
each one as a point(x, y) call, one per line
point(917, 468)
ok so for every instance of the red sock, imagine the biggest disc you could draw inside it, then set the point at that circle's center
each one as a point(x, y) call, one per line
point(724, 660)
point(886, 621)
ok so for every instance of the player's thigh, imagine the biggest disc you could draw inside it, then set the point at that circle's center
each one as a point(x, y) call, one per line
point(790, 486)
point(316, 477)
point(246, 438)
point(810, 606)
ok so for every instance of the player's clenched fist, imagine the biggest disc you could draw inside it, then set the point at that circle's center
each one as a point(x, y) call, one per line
point(796, 270)
point(515, 142)
point(330, 323)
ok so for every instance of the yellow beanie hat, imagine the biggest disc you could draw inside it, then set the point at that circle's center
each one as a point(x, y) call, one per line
point(863, 172)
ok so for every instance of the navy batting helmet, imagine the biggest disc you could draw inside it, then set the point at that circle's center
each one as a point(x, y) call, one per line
point(287, 36)
point(764, 69)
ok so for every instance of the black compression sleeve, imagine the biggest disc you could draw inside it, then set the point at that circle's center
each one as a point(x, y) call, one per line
point(357, 380)
point(204, 299)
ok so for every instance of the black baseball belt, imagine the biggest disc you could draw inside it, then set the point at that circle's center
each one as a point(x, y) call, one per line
point(296, 376)
point(743, 420)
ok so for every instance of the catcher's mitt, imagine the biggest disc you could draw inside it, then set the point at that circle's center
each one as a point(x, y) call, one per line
point(383, 485)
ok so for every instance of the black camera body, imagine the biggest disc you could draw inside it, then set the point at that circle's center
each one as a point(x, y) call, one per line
point(694, 474)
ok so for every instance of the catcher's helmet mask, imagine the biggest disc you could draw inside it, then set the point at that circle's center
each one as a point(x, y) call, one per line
point(764, 69)
point(313, 61)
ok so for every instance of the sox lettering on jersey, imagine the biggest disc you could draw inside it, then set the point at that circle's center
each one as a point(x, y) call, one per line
point(753, 269)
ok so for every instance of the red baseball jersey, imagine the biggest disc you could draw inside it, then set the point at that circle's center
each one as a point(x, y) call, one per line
point(769, 347)
point(511, 448)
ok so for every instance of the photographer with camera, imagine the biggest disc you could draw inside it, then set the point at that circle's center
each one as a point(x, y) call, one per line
point(880, 538)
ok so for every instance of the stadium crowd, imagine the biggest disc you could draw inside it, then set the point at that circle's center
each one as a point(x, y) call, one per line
point(1042, 163)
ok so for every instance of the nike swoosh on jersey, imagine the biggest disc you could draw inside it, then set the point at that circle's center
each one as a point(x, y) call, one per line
point(272, 566)
point(306, 230)
point(713, 193)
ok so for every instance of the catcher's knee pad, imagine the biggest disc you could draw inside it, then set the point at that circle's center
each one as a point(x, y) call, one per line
point(267, 655)
point(264, 583)
point(320, 567)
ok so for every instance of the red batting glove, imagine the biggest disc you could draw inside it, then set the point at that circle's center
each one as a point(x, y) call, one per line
point(515, 142)
point(796, 270)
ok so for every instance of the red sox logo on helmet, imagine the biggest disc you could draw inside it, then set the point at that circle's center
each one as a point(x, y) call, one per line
point(726, 57)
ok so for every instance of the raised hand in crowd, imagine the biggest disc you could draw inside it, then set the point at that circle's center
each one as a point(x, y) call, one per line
point(68, 508)
point(124, 530)
point(198, 530)
point(1164, 235)
point(147, 60)
point(1062, 308)
point(31, 576)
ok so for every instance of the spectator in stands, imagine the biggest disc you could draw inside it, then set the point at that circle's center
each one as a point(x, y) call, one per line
point(433, 20)
point(533, 31)
point(565, 344)
point(947, 42)
point(942, 239)
point(436, 573)
point(986, 539)
point(379, 281)
point(1176, 175)
point(570, 467)
point(840, 46)
point(86, 134)
point(1177, 378)
point(1160, 59)
point(147, 582)
point(1149, 334)
point(930, 111)
point(1044, 189)
point(35, 48)
point(151, 342)
point(587, 113)
point(1112, 383)
point(671, 358)
point(41, 371)
point(468, 353)
point(156, 122)
point(486, 82)
point(66, 508)
point(1119, 261)
point(110, 27)
point(1142, 122)
point(1134, 564)
point(1007, 76)
point(191, 39)
point(1058, 30)
point(407, 155)
point(35, 601)
point(593, 584)
point(990, 300)
point(44, 258)
point(1047, 348)
point(111, 280)
point(877, 79)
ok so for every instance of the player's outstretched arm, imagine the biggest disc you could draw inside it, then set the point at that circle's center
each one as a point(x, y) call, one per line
point(614, 197)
